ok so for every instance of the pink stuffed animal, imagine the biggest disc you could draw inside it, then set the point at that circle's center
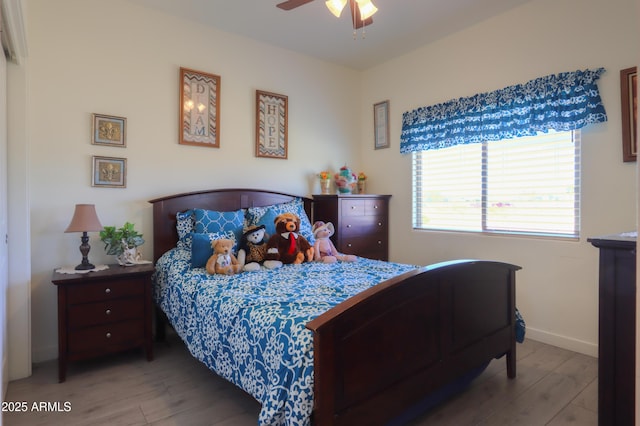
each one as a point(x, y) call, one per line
point(325, 251)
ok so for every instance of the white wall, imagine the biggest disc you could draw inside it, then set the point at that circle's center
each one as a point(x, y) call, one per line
point(117, 58)
point(557, 287)
point(89, 56)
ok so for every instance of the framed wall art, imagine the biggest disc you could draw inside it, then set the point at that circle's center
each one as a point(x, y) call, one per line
point(271, 125)
point(199, 108)
point(109, 172)
point(108, 130)
point(381, 124)
point(629, 97)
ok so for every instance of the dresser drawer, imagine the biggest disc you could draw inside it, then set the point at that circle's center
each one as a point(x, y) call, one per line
point(87, 314)
point(363, 225)
point(352, 207)
point(107, 338)
point(105, 290)
point(366, 207)
point(375, 207)
point(364, 246)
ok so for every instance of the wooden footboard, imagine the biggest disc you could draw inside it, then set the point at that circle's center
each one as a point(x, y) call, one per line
point(385, 349)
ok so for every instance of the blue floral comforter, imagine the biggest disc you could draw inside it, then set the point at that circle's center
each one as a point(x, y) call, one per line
point(250, 328)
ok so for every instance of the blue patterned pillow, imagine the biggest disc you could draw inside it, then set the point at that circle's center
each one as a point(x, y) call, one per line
point(267, 214)
point(201, 249)
point(226, 223)
point(185, 225)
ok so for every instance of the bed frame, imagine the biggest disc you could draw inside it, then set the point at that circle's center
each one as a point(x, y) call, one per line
point(381, 352)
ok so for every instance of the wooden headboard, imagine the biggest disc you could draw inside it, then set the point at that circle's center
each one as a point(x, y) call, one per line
point(165, 235)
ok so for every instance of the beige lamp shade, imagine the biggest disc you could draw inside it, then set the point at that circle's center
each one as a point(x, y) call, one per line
point(84, 219)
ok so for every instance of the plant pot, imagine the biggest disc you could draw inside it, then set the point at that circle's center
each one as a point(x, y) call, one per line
point(325, 186)
point(130, 256)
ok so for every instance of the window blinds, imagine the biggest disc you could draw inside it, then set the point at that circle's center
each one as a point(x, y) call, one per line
point(527, 185)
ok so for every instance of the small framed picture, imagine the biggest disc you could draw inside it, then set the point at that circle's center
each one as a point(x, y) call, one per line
point(108, 130)
point(629, 98)
point(109, 172)
point(381, 124)
point(199, 108)
point(271, 125)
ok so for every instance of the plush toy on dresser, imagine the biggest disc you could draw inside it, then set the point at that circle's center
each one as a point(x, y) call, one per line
point(324, 249)
point(223, 261)
point(287, 245)
point(253, 249)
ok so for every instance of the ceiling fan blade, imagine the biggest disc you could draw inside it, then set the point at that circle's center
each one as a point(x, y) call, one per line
point(292, 4)
point(356, 19)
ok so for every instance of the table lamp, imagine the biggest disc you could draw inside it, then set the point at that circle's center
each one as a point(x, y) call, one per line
point(84, 220)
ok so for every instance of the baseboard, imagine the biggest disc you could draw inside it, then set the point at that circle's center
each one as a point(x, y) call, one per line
point(563, 342)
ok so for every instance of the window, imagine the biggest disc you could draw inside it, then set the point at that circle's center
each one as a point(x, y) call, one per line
point(528, 185)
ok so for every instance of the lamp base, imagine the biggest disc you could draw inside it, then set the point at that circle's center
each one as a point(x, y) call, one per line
point(85, 266)
point(84, 249)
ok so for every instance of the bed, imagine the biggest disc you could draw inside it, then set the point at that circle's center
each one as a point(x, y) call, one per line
point(367, 342)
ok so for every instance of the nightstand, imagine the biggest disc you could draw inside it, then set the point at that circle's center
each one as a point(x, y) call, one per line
point(103, 312)
point(361, 222)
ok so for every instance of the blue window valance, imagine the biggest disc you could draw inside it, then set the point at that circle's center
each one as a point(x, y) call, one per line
point(565, 101)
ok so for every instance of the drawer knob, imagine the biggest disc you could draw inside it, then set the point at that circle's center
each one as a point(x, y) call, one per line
point(375, 207)
point(108, 335)
point(353, 207)
point(108, 312)
point(379, 243)
point(107, 290)
point(379, 223)
point(348, 226)
point(349, 245)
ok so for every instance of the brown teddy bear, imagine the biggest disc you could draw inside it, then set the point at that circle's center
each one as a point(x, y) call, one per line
point(286, 245)
point(223, 260)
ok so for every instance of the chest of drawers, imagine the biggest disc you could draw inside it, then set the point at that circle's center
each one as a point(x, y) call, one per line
point(616, 330)
point(103, 312)
point(361, 222)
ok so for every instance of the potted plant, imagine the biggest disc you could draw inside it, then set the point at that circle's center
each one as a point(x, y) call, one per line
point(122, 242)
point(325, 182)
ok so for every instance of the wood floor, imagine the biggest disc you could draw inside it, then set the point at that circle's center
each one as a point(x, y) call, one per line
point(553, 387)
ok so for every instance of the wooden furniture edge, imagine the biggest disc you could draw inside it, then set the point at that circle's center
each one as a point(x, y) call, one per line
point(344, 397)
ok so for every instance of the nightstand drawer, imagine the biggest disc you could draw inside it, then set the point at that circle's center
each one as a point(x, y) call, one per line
point(105, 290)
point(88, 314)
point(107, 338)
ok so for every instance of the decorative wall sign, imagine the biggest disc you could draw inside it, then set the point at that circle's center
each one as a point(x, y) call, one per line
point(109, 172)
point(629, 97)
point(199, 108)
point(108, 130)
point(271, 125)
point(381, 124)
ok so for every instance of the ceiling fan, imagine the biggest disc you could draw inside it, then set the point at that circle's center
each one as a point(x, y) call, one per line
point(361, 10)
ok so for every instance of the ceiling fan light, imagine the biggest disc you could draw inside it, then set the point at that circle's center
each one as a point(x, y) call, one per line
point(367, 9)
point(336, 6)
